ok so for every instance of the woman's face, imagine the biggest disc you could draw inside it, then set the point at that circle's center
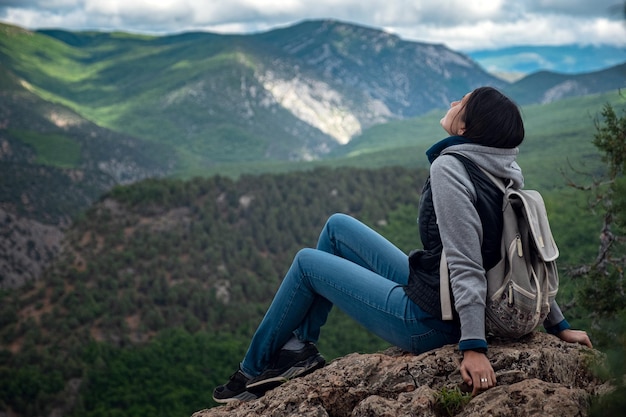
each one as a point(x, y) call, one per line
point(453, 122)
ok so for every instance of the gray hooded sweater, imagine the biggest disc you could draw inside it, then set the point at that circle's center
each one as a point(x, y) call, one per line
point(454, 198)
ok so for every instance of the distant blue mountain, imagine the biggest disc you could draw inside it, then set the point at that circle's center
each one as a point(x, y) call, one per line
point(567, 59)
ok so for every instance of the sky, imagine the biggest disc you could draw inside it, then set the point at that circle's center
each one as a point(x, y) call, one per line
point(463, 25)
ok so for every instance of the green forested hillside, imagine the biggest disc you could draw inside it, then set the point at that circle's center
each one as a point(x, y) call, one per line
point(202, 256)
point(557, 135)
point(54, 163)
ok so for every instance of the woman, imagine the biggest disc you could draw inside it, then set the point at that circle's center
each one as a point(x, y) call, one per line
point(371, 280)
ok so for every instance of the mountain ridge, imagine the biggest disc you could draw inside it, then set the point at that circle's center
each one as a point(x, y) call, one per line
point(557, 86)
point(294, 93)
point(252, 87)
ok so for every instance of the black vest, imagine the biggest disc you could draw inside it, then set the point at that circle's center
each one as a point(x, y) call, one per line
point(423, 284)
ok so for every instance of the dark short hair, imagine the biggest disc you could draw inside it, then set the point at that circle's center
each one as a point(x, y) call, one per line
point(492, 119)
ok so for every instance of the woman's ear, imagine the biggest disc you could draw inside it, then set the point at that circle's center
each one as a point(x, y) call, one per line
point(460, 127)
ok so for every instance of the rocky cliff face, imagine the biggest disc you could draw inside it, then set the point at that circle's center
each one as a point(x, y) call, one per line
point(342, 78)
point(537, 376)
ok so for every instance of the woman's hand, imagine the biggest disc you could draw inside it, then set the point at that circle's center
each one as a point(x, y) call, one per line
point(575, 336)
point(477, 372)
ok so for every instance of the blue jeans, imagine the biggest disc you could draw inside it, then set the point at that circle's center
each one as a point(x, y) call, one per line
point(360, 272)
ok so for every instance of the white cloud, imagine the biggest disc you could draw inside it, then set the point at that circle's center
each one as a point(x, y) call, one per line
point(531, 30)
point(460, 24)
point(583, 8)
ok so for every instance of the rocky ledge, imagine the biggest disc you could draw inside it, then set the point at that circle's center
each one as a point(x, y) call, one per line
point(537, 376)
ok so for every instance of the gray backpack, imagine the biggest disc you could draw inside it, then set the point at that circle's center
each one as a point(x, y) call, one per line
point(521, 286)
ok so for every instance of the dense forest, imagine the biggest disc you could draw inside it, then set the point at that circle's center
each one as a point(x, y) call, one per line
point(162, 283)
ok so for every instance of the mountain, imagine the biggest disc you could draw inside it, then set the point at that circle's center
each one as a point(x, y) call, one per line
point(74, 159)
point(53, 164)
point(566, 59)
point(288, 94)
point(548, 87)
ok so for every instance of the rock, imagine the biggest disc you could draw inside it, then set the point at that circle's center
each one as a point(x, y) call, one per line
point(537, 376)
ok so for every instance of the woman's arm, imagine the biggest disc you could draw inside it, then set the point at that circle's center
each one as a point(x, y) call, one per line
point(460, 229)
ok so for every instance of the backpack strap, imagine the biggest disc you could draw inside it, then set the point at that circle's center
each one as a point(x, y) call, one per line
point(498, 182)
point(444, 288)
point(536, 215)
point(444, 271)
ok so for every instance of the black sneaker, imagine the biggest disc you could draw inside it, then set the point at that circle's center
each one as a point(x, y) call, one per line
point(234, 390)
point(288, 364)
